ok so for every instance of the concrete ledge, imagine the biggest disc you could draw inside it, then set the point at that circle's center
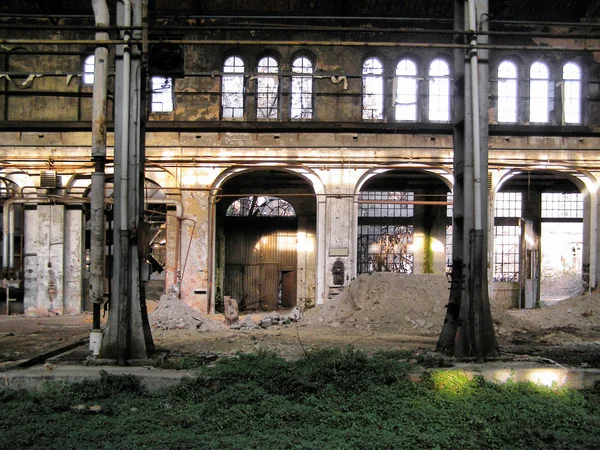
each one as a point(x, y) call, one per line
point(34, 378)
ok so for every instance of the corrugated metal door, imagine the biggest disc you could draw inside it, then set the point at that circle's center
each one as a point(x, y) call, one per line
point(260, 261)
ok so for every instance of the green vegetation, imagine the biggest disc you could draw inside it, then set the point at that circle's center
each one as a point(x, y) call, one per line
point(330, 399)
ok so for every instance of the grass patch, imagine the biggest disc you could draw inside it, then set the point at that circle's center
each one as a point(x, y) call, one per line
point(330, 399)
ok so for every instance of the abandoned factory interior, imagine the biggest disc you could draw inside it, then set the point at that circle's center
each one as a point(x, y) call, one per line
point(273, 151)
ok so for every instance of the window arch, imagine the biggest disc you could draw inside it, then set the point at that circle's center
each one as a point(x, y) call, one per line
point(302, 89)
point(539, 92)
point(88, 69)
point(406, 90)
point(232, 88)
point(439, 91)
point(571, 93)
point(372, 84)
point(162, 94)
point(261, 206)
point(507, 92)
point(267, 89)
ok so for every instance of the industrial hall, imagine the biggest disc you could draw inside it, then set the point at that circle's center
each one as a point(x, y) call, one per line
point(273, 151)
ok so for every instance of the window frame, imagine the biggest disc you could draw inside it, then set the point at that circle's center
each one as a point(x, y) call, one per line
point(406, 77)
point(435, 114)
point(237, 74)
point(267, 88)
point(507, 92)
point(573, 113)
point(165, 90)
point(89, 76)
point(372, 72)
point(538, 104)
point(302, 78)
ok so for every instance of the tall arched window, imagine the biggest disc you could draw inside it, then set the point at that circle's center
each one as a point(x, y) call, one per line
point(302, 88)
point(507, 92)
point(88, 69)
point(539, 92)
point(162, 94)
point(372, 84)
point(406, 90)
point(267, 89)
point(232, 88)
point(439, 91)
point(571, 93)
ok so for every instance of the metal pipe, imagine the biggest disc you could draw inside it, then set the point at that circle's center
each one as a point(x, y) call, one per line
point(125, 118)
point(475, 117)
point(99, 116)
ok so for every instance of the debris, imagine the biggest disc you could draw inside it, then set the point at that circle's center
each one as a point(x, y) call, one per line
point(172, 314)
point(232, 314)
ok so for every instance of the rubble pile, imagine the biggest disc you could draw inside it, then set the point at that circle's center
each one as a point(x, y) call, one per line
point(172, 314)
point(273, 319)
point(383, 301)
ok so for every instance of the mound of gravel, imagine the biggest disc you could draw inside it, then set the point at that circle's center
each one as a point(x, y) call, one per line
point(172, 314)
point(383, 301)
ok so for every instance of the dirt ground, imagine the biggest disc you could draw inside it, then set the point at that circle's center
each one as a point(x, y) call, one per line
point(382, 311)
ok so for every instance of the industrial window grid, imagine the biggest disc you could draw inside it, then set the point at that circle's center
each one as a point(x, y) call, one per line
point(260, 206)
point(508, 204)
point(391, 209)
point(232, 88)
point(439, 91)
point(562, 205)
point(162, 94)
point(540, 92)
point(384, 248)
point(267, 89)
point(302, 84)
point(571, 87)
point(507, 240)
point(406, 91)
point(448, 249)
point(449, 206)
point(507, 92)
point(88, 69)
point(372, 85)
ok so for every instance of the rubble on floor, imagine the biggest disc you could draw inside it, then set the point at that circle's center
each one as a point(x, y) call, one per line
point(384, 301)
point(173, 314)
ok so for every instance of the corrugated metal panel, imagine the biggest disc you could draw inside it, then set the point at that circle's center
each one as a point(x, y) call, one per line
point(256, 251)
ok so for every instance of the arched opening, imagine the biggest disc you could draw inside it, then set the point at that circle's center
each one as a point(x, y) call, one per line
point(538, 239)
point(266, 241)
point(404, 223)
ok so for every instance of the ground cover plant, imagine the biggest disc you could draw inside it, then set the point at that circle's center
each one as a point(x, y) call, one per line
point(333, 399)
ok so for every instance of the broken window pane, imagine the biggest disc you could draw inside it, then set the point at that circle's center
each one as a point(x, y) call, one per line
point(261, 206)
point(562, 205)
point(439, 91)
point(88, 70)
point(385, 248)
point(162, 94)
point(539, 92)
point(267, 89)
point(406, 90)
point(386, 204)
point(232, 88)
point(507, 92)
point(372, 84)
point(571, 93)
point(506, 253)
point(507, 204)
point(301, 91)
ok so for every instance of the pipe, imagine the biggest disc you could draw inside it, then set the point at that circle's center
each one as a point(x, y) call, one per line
point(125, 118)
point(99, 116)
point(475, 117)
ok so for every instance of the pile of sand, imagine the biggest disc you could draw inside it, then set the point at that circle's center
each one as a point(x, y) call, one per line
point(580, 313)
point(172, 314)
point(383, 301)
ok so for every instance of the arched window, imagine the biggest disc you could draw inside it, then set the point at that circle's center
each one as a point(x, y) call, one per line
point(88, 69)
point(439, 91)
point(571, 93)
point(406, 90)
point(302, 87)
point(261, 206)
point(372, 84)
point(539, 92)
point(267, 89)
point(162, 94)
point(507, 92)
point(232, 88)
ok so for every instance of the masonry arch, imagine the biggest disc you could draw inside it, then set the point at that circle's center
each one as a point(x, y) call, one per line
point(542, 246)
point(266, 238)
point(404, 221)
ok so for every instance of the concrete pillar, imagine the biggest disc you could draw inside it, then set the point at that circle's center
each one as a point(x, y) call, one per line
point(30, 261)
point(73, 260)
